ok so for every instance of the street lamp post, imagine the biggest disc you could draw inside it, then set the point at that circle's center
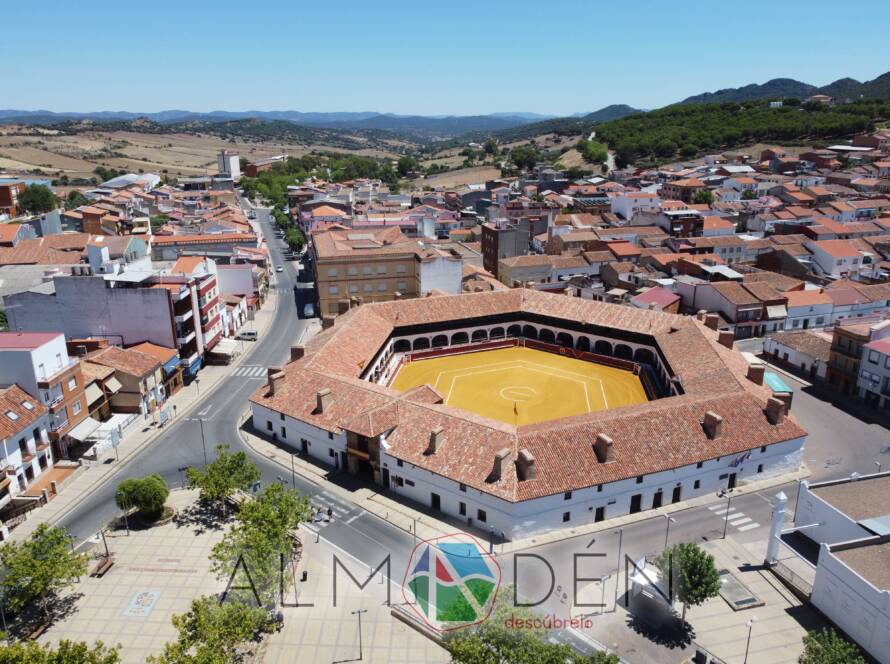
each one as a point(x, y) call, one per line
point(750, 624)
point(415, 531)
point(201, 420)
point(293, 474)
point(668, 520)
point(726, 514)
point(618, 565)
point(603, 580)
point(359, 613)
point(878, 464)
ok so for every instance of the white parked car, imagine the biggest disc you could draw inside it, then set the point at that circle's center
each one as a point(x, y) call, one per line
point(279, 269)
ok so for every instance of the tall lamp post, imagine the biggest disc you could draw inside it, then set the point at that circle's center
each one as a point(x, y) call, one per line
point(618, 565)
point(201, 420)
point(359, 613)
point(750, 624)
point(726, 514)
point(667, 531)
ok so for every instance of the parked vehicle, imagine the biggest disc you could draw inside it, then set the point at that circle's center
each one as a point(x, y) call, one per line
point(309, 310)
point(279, 269)
point(248, 335)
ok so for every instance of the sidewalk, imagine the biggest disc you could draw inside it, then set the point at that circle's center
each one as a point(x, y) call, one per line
point(92, 474)
point(404, 516)
point(779, 625)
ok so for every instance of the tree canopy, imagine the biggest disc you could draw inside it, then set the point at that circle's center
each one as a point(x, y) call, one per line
point(37, 198)
point(224, 475)
point(524, 156)
point(147, 494)
point(691, 129)
point(826, 646)
point(592, 151)
point(695, 576)
point(213, 633)
point(251, 551)
point(67, 652)
point(75, 199)
point(39, 567)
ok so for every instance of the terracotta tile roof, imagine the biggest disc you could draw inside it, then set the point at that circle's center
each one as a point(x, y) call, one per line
point(209, 238)
point(735, 293)
point(127, 361)
point(815, 345)
point(837, 248)
point(13, 400)
point(650, 437)
point(92, 371)
point(807, 298)
point(160, 353)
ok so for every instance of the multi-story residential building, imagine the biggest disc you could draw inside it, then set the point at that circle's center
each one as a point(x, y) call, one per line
point(848, 343)
point(873, 383)
point(808, 309)
point(838, 258)
point(128, 303)
point(377, 265)
point(26, 453)
point(141, 376)
point(228, 162)
point(39, 364)
point(631, 203)
point(502, 239)
point(9, 197)
point(682, 190)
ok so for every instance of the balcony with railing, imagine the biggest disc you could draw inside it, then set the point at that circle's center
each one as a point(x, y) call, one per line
point(186, 315)
point(45, 381)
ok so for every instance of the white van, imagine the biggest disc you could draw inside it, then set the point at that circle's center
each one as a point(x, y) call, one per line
point(247, 335)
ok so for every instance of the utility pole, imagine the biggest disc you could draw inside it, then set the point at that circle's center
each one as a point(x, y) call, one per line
point(750, 624)
point(667, 529)
point(726, 515)
point(359, 613)
point(618, 565)
point(201, 421)
point(293, 474)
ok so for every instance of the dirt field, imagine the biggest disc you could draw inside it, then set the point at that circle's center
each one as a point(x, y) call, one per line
point(522, 385)
point(457, 178)
point(177, 154)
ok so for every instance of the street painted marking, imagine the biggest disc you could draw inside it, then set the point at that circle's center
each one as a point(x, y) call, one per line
point(249, 371)
point(353, 518)
point(750, 526)
point(739, 522)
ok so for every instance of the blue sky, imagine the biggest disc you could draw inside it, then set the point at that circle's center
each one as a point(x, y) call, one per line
point(445, 57)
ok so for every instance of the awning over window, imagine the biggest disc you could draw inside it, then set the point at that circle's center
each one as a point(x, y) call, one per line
point(93, 393)
point(226, 347)
point(85, 429)
point(776, 311)
point(113, 385)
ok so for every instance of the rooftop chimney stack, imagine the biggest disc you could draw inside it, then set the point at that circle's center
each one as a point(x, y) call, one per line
point(500, 464)
point(327, 321)
point(323, 399)
point(275, 376)
point(525, 465)
point(701, 314)
point(713, 425)
point(437, 437)
point(712, 321)
point(726, 338)
point(775, 410)
point(756, 372)
point(604, 449)
point(297, 352)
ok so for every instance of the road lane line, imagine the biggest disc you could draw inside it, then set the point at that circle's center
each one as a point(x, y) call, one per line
point(749, 526)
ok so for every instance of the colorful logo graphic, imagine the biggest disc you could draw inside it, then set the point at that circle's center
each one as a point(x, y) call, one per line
point(451, 582)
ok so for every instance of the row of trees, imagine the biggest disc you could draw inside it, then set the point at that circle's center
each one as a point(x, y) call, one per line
point(686, 130)
point(593, 152)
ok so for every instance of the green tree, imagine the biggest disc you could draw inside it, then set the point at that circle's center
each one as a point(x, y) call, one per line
point(147, 494)
point(703, 197)
point(524, 156)
point(263, 532)
point(490, 147)
point(592, 152)
point(695, 577)
point(75, 199)
point(37, 198)
point(38, 568)
point(67, 652)
point(749, 194)
point(213, 633)
point(224, 475)
point(406, 164)
point(826, 646)
point(294, 238)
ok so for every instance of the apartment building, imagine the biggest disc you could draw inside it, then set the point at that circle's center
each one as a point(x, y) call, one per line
point(503, 240)
point(375, 265)
point(9, 196)
point(26, 453)
point(141, 377)
point(847, 349)
point(39, 364)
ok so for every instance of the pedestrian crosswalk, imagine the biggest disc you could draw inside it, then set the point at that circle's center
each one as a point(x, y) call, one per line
point(251, 371)
point(734, 518)
point(321, 502)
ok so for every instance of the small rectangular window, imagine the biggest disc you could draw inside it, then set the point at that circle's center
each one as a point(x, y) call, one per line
point(400, 463)
point(567, 495)
point(763, 449)
point(759, 467)
point(270, 426)
point(700, 464)
point(330, 435)
point(697, 484)
point(462, 487)
point(281, 415)
point(462, 509)
point(566, 516)
point(283, 432)
point(599, 488)
point(409, 482)
point(75, 407)
point(72, 382)
point(640, 479)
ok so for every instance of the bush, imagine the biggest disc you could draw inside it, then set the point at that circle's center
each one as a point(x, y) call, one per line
point(147, 494)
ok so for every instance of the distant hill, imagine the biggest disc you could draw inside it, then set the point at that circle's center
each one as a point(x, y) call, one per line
point(613, 112)
point(429, 127)
point(779, 88)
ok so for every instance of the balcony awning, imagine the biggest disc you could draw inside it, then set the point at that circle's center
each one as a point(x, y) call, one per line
point(93, 393)
point(226, 347)
point(776, 311)
point(85, 429)
point(113, 385)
